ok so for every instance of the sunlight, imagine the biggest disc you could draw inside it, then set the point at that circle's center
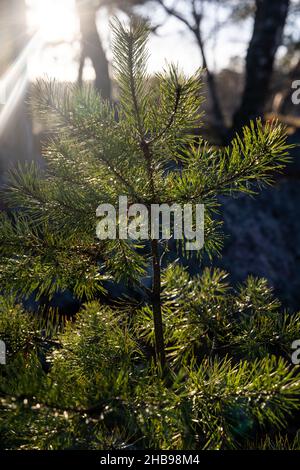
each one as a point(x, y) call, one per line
point(14, 82)
point(58, 25)
point(55, 19)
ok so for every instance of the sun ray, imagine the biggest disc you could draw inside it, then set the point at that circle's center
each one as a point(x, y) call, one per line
point(14, 81)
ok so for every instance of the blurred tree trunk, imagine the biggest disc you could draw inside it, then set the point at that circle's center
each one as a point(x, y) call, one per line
point(220, 124)
point(270, 19)
point(194, 22)
point(16, 139)
point(92, 48)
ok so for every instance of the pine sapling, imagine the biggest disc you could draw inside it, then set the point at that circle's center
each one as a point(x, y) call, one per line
point(143, 147)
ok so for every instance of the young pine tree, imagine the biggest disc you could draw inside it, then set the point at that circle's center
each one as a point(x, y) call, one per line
point(144, 148)
point(227, 382)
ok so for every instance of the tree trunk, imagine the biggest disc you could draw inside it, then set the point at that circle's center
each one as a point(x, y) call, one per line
point(212, 89)
point(92, 48)
point(270, 19)
point(156, 305)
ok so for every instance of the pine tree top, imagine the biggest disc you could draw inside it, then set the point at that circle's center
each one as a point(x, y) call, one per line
point(143, 147)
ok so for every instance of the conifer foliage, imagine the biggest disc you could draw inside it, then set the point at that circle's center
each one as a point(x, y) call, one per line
point(190, 362)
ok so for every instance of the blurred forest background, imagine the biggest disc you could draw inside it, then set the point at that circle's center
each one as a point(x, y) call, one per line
point(250, 51)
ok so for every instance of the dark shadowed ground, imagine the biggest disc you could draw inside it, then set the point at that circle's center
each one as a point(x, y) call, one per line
point(264, 234)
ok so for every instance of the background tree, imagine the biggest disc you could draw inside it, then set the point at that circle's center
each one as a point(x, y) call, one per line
point(266, 38)
point(91, 41)
point(193, 19)
point(91, 46)
point(270, 19)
